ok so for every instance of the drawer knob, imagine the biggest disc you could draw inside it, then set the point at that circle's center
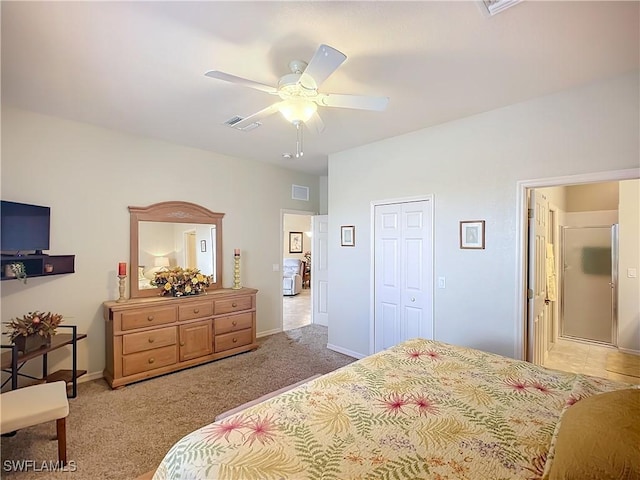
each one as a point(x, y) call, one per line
point(234, 304)
point(151, 360)
point(235, 340)
point(182, 344)
point(196, 310)
point(151, 340)
point(150, 318)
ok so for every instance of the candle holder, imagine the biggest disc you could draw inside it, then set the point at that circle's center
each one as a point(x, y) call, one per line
point(121, 288)
point(236, 272)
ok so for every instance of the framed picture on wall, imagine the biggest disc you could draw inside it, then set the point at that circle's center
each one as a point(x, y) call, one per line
point(295, 242)
point(472, 234)
point(348, 236)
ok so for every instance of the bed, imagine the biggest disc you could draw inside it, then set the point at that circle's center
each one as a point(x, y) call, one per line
point(421, 409)
point(145, 276)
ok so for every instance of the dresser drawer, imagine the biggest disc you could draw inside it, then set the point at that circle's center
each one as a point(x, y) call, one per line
point(233, 323)
point(139, 342)
point(149, 360)
point(232, 305)
point(228, 341)
point(195, 310)
point(148, 317)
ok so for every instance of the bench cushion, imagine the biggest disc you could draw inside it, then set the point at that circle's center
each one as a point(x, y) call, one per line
point(33, 405)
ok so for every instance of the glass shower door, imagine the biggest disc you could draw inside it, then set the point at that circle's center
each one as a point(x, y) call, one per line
point(588, 286)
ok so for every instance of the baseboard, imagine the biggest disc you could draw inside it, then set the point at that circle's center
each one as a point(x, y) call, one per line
point(344, 351)
point(268, 332)
point(90, 376)
point(629, 351)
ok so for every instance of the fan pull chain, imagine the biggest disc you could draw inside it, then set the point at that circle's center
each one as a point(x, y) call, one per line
point(299, 151)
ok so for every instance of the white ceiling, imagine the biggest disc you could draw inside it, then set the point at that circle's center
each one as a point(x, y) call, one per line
point(139, 67)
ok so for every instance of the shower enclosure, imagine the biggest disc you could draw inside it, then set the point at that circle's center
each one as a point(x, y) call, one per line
point(590, 260)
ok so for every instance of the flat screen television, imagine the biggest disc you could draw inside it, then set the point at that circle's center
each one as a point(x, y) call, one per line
point(24, 227)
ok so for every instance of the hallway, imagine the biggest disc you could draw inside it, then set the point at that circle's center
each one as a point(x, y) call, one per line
point(296, 310)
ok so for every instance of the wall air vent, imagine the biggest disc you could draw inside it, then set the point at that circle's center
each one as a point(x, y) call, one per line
point(497, 6)
point(299, 192)
point(237, 119)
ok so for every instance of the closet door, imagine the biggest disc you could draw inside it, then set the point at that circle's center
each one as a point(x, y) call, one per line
point(403, 272)
point(320, 270)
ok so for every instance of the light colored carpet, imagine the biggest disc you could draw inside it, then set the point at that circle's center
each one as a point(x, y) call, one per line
point(121, 434)
point(624, 363)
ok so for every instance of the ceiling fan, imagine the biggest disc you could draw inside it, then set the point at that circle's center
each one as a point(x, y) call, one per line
point(299, 96)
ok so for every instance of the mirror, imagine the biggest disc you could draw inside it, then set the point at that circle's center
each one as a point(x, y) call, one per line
point(174, 234)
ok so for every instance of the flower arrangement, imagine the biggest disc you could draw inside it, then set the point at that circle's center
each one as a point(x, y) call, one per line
point(180, 281)
point(34, 323)
point(16, 269)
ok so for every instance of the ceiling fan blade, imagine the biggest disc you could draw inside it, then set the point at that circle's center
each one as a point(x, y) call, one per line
point(265, 112)
point(315, 123)
point(241, 81)
point(360, 102)
point(324, 62)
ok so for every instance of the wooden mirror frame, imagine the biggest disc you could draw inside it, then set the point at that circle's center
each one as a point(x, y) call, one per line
point(171, 212)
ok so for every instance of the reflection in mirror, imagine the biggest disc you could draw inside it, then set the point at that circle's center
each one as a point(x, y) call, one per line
point(167, 245)
point(174, 234)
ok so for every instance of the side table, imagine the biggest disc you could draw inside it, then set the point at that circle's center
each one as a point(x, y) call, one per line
point(12, 361)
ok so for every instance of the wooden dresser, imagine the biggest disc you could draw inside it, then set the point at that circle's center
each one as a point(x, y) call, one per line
point(147, 337)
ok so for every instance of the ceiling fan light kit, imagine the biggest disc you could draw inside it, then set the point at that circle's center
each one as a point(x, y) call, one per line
point(297, 110)
point(299, 94)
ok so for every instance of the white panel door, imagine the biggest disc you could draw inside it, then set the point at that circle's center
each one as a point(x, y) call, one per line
point(537, 290)
point(403, 272)
point(320, 270)
point(387, 269)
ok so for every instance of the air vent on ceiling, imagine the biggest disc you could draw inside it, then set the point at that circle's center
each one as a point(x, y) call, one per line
point(235, 119)
point(497, 6)
point(299, 192)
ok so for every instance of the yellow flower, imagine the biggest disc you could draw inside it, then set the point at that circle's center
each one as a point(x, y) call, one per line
point(167, 286)
point(187, 289)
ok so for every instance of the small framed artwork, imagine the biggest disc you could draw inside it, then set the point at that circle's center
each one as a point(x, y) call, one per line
point(472, 234)
point(348, 236)
point(203, 245)
point(295, 242)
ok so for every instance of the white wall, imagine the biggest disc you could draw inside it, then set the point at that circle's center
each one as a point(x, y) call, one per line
point(324, 194)
point(629, 258)
point(592, 196)
point(90, 175)
point(471, 166)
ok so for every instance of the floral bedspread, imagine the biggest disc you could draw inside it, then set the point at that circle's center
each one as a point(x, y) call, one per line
point(420, 410)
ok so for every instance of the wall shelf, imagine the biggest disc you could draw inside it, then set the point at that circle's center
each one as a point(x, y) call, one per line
point(36, 265)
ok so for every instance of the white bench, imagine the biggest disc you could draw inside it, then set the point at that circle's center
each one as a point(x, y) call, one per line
point(28, 406)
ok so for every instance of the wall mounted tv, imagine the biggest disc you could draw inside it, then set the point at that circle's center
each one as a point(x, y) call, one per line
point(24, 227)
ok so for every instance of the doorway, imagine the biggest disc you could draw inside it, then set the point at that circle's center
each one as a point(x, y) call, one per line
point(530, 332)
point(297, 229)
point(190, 258)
